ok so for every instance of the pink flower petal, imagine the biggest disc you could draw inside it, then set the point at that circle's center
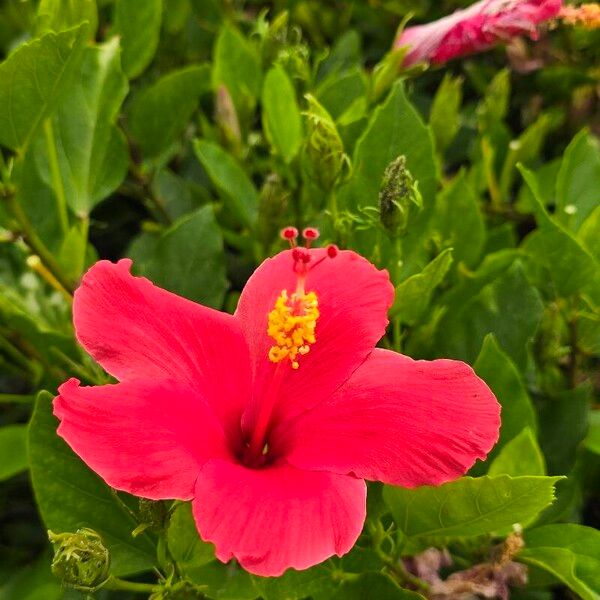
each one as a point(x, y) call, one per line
point(399, 421)
point(138, 331)
point(148, 439)
point(278, 517)
point(354, 298)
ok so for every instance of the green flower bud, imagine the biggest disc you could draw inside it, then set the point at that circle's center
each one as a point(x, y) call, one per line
point(324, 149)
point(272, 209)
point(398, 197)
point(80, 559)
point(226, 118)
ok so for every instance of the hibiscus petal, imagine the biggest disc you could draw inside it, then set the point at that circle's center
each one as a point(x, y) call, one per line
point(399, 421)
point(354, 298)
point(278, 517)
point(148, 439)
point(138, 331)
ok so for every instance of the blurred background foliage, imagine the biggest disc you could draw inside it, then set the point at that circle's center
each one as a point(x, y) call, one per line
point(185, 133)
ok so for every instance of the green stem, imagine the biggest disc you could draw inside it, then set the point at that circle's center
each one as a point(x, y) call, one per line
point(114, 583)
point(16, 354)
point(16, 399)
point(57, 182)
point(35, 243)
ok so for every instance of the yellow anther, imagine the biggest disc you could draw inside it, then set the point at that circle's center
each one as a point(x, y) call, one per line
point(292, 324)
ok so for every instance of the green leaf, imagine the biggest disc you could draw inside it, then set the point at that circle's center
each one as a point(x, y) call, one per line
point(235, 187)
point(188, 259)
point(445, 111)
point(509, 307)
point(569, 552)
point(161, 112)
point(185, 545)
point(571, 268)
point(592, 441)
point(237, 66)
point(459, 221)
point(414, 294)
point(504, 379)
point(373, 586)
point(520, 456)
point(33, 81)
point(281, 117)
point(224, 582)
point(70, 496)
point(394, 129)
point(495, 103)
point(589, 234)
point(33, 582)
point(91, 151)
point(13, 450)
point(578, 181)
point(58, 15)
point(338, 94)
point(316, 583)
point(138, 26)
point(469, 507)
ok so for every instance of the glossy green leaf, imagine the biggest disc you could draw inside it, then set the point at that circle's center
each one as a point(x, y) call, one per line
point(188, 258)
point(33, 81)
point(459, 220)
point(569, 552)
point(185, 545)
point(520, 456)
point(70, 496)
point(237, 66)
point(504, 379)
point(235, 187)
point(91, 151)
point(138, 26)
point(281, 116)
point(445, 117)
point(161, 112)
point(469, 506)
point(578, 181)
point(373, 586)
point(58, 15)
point(570, 266)
point(413, 295)
point(13, 450)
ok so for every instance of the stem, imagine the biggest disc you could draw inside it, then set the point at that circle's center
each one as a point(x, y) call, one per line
point(114, 583)
point(35, 264)
point(16, 399)
point(34, 242)
point(16, 355)
point(57, 182)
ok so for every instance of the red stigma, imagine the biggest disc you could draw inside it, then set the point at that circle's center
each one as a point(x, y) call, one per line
point(289, 234)
point(332, 250)
point(311, 233)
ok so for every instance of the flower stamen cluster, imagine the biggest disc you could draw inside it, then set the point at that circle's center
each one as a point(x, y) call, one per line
point(292, 324)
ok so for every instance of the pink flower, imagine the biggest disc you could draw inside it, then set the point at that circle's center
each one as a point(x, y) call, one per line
point(475, 29)
point(271, 419)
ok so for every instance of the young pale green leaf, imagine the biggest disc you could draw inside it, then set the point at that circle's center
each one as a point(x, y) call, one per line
point(70, 496)
point(13, 450)
point(85, 154)
point(414, 294)
point(394, 129)
point(33, 81)
point(509, 307)
point(572, 269)
point(234, 186)
point(444, 118)
point(281, 117)
point(188, 259)
point(237, 66)
point(459, 221)
point(58, 15)
point(185, 545)
point(578, 181)
point(504, 379)
point(494, 106)
point(161, 112)
point(520, 456)
point(469, 506)
point(569, 552)
point(138, 26)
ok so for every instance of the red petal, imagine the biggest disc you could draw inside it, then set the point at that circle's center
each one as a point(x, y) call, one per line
point(279, 517)
point(399, 421)
point(138, 331)
point(354, 298)
point(148, 439)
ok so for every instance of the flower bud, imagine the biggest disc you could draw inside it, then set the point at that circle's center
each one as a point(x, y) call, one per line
point(324, 150)
point(398, 197)
point(80, 559)
point(226, 118)
point(272, 208)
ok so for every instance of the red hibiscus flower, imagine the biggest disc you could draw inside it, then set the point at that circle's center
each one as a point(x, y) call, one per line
point(271, 419)
point(475, 29)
